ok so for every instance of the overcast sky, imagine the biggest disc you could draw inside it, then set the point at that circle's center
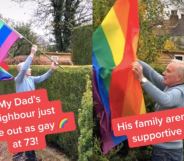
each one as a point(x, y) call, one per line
point(22, 12)
point(19, 12)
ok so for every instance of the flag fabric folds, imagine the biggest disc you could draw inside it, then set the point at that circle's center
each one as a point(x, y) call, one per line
point(4, 66)
point(4, 75)
point(116, 92)
point(7, 38)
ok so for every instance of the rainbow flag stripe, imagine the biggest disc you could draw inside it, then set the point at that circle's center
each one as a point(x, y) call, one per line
point(7, 39)
point(114, 49)
point(4, 75)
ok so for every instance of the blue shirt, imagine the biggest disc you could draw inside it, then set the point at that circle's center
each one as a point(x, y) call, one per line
point(164, 96)
point(27, 83)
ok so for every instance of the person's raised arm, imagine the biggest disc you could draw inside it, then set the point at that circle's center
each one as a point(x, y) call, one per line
point(39, 79)
point(24, 66)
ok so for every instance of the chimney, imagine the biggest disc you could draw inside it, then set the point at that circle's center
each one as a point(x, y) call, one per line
point(174, 12)
point(182, 17)
point(173, 18)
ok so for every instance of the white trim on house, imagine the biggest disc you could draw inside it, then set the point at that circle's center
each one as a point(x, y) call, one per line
point(179, 57)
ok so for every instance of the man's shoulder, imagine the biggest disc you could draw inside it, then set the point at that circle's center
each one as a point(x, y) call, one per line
point(31, 77)
point(179, 87)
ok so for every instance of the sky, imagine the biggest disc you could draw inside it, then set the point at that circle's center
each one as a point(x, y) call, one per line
point(18, 12)
point(21, 12)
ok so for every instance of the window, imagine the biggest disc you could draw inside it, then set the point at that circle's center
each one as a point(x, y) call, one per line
point(179, 57)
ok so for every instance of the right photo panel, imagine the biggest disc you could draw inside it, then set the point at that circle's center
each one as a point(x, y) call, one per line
point(138, 80)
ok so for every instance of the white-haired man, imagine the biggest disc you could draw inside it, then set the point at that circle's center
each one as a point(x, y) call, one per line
point(168, 92)
point(24, 81)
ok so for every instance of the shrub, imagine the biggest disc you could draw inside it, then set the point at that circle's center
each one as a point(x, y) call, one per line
point(82, 45)
point(85, 145)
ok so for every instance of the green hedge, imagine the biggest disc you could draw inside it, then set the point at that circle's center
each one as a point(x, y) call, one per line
point(82, 45)
point(67, 85)
point(85, 146)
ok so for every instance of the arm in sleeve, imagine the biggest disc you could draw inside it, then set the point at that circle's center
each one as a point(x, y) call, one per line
point(24, 69)
point(41, 78)
point(166, 99)
point(152, 75)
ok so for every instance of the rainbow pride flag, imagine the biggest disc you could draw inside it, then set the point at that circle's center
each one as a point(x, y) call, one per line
point(116, 92)
point(4, 66)
point(7, 38)
point(4, 75)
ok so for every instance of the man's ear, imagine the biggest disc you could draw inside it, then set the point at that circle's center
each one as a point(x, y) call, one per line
point(180, 78)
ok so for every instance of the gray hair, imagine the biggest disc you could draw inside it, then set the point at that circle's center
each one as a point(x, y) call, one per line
point(179, 68)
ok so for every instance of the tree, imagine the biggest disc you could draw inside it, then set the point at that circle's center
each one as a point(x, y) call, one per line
point(62, 17)
point(151, 15)
point(100, 9)
point(22, 47)
point(178, 3)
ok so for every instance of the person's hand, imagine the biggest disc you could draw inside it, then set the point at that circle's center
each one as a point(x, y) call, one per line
point(138, 71)
point(33, 50)
point(54, 66)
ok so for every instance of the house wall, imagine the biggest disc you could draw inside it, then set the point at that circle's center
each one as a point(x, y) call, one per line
point(166, 56)
point(63, 59)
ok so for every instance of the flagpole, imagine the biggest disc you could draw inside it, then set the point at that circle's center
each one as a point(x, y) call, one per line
point(21, 36)
point(43, 53)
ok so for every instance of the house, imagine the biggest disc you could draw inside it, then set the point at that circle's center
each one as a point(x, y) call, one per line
point(168, 55)
point(174, 27)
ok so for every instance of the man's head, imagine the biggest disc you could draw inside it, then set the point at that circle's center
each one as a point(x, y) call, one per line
point(174, 73)
point(19, 68)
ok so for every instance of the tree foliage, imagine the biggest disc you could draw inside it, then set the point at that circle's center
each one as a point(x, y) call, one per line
point(22, 47)
point(177, 3)
point(169, 45)
point(100, 9)
point(150, 44)
point(63, 21)
point(61, 15)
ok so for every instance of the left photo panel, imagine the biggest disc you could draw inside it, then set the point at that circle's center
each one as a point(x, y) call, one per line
point(46, 80)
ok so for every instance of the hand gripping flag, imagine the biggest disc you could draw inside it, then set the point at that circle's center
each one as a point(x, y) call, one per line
point(116, 92)
point(7, 38)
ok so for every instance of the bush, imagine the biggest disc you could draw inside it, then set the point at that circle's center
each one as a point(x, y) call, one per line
point(82, 45)
point(85, 146)
point(67, 85)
